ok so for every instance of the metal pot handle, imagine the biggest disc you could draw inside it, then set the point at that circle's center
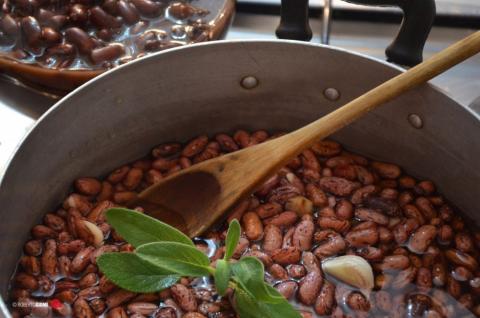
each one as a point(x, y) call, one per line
point(406, 48)
point(294, 21)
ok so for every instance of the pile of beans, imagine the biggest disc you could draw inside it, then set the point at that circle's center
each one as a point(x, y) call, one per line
point(86, 34)
point(324, 203)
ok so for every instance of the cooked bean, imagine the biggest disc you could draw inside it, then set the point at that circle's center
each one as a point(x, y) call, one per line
point(395, 262)
point(327, 148)
point(357, 301)
point(81, 309)
point(310, 287)
point(32, 32)
point(335, 244)
point(337, 186)
point(252, 225)
point(363, 237)
point(462, 259)
point(285, 256)
point(147, 7)
point(283, 219)
point(184, 297)
point(278, 272)
point(326, 299)
point(287, 289)
point(371, 215)
point(422, 238)
point(303, 235)
point(272, 239)
point(386, 170)
point(80, 39)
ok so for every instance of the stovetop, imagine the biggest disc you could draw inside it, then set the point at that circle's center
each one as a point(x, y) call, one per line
point(20, 107)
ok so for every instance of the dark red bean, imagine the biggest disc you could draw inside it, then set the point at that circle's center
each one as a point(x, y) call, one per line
point(78, 14)
point(102, 19)
point(80, 39)
point(147, 8)
point(50, 36)
point(32, 33)
point(9, 25)
point(128, 12)
point(107, 53)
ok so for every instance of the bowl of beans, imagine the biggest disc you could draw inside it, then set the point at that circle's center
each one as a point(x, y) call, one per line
point(60, 45)
point(403, 202)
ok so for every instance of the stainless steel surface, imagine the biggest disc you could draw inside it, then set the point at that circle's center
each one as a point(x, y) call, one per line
point(326, 22)
point(120, 115)
point(19, 108)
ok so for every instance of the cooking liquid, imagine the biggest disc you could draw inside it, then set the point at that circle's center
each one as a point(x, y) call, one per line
point(438, 297)
point(209, 246)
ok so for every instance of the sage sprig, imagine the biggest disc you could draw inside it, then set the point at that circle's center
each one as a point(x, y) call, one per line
point(164, 254)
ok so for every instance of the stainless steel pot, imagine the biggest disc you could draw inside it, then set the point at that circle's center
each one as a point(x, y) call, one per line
point(180, 93)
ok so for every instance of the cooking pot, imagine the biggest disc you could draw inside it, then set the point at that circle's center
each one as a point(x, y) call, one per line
point(219, 87)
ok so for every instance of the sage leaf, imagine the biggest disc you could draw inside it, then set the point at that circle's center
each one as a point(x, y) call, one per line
point(233, 236)
point(250, 307)
point(222, 276)
point(130, 272)
point(250, 274)
point(176, 258)
point(137, 228)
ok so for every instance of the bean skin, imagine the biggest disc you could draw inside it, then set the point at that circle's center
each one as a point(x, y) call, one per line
point(326, 299)
point(303, 235)
point(286, 256)
point(422, 238)
point(272, 239)
point(371, 215)
point(32, 32)
point(310, 287)
point(184, 297)
point(287, 289)
point(362, 238)
point(252, 225)
point(80, 39)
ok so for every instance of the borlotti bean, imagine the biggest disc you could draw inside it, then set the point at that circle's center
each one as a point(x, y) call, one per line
point(325, 203)
point(84, 34)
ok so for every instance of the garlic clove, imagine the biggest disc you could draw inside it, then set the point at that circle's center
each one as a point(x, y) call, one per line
point(350, 269)
point(97, 234)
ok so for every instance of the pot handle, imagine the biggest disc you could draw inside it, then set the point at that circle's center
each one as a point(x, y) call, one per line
point(294, 21)
point(406, 48)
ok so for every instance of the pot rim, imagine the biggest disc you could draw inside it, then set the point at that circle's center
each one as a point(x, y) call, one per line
point(167, 52)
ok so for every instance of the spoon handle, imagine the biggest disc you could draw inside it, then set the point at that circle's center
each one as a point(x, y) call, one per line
point(343, 116)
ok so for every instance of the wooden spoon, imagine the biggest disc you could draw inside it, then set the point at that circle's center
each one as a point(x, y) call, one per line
point(195, 198)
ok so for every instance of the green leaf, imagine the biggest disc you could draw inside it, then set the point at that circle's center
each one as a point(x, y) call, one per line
point(128, 271)
point(249, 273)
point(249, 307)
point(233, 236)
point(176, 258)
point(223, 273)
point(137, 228)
